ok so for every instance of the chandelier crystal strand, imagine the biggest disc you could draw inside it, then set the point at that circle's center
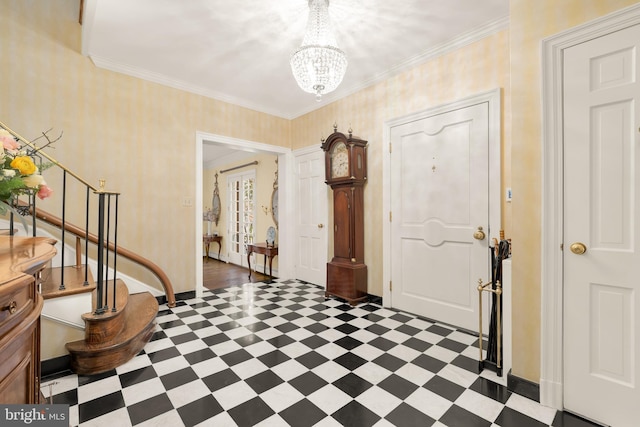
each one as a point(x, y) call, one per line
point(319, 64)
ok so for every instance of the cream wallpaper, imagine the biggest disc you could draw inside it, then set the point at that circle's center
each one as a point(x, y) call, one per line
point(140, 136)
point(137, 135)
point(531, 21)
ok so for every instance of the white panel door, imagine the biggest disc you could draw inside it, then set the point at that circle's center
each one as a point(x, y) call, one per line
point(601, 208)
point(311, 218)
point(439, 197)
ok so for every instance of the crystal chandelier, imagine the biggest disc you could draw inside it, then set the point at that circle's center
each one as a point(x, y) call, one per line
point(319, 64)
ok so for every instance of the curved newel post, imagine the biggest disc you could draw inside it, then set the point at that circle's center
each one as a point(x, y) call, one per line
point(105, 247)
point(100, 303)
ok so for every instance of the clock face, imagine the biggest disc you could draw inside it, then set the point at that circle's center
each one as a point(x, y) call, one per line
point(339, 161)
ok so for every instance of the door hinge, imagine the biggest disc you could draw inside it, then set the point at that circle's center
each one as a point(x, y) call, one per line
point(562, 246)
point(390, 148)
point(390, 216)
point(390, 285)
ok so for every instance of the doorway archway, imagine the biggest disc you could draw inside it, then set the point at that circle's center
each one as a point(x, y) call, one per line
point(285, 159)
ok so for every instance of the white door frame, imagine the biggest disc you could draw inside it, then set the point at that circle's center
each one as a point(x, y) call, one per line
point(494, 100)
point(551, 338)
point(286, 231)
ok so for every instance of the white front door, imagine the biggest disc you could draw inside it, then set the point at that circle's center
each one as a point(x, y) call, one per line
point(439, 196)
point(602, 214)
point(311, 218)
point(241, 214)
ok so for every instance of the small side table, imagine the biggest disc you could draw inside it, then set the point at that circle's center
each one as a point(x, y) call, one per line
point(206, 239)
point(269, 251)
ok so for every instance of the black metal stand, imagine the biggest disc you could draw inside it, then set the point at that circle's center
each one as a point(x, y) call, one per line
point(493, 360)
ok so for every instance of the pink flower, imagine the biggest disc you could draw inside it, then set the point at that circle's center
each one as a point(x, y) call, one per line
point(44, 191)
point(8, 142)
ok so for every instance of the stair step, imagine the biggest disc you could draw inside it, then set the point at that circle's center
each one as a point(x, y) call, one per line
point(74, 282)
point(138, 327)
point(103, 327)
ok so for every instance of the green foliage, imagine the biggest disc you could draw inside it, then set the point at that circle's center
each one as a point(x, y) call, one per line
point(11, 186)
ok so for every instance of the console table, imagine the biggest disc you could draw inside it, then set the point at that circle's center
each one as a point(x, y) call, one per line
point(269, 251)
point(22, 262)
point(206, 239)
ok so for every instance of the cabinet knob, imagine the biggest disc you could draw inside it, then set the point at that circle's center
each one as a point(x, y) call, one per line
point(11, 308)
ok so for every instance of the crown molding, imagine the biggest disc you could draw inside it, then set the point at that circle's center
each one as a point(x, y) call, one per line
point(150, 76)
point(447, 47)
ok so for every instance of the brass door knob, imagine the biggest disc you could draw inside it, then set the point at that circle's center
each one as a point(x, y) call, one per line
point(320, 225)
point(479, 234)
point(578, 248)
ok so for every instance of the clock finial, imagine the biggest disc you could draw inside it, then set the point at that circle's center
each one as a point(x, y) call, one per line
point(335, 126)
point(350, 130)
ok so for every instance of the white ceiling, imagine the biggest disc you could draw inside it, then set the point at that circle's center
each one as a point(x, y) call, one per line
point(238, 51)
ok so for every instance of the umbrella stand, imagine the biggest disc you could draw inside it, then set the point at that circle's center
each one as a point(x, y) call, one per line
point(496, 363)
point(493, 359)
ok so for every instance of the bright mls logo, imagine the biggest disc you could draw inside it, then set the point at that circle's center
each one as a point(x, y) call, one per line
point(34, 415)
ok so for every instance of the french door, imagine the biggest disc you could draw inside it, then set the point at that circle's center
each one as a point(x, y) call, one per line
point(241, 211)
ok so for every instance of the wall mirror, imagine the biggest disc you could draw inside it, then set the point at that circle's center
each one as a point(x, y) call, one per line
point(215, 203)
point(274, 198)
point(274, 205)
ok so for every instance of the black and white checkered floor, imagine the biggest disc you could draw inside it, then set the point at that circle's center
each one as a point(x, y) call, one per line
point(278, 354)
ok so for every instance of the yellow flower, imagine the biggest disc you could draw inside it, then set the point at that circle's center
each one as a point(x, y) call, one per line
point(24, 164)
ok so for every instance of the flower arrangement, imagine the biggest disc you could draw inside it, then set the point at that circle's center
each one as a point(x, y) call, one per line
point(18, 173)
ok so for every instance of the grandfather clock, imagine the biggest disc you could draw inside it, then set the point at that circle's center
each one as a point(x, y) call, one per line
point(346, 173)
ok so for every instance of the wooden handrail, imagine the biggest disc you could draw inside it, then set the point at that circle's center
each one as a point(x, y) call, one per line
point(79, 232)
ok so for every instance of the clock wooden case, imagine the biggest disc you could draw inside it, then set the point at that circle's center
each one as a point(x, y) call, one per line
point(346, 173)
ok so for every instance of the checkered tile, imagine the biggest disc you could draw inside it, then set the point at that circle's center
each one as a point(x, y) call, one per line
point(279, 354)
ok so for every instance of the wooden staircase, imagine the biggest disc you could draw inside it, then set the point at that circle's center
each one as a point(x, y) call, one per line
point(113, 337)
point(115, 331)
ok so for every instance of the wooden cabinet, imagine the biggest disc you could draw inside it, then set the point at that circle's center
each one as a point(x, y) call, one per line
point(346, 173)
point(22, 260)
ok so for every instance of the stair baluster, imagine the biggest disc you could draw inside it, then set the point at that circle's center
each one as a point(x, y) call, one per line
point(115, 251)
point(100, 292)
point(86, 238)
point(63, 228)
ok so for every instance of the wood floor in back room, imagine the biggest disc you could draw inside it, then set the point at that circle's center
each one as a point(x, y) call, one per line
point(219, 274)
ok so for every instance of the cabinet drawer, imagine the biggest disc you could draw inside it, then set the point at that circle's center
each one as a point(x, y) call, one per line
point(16, 299)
